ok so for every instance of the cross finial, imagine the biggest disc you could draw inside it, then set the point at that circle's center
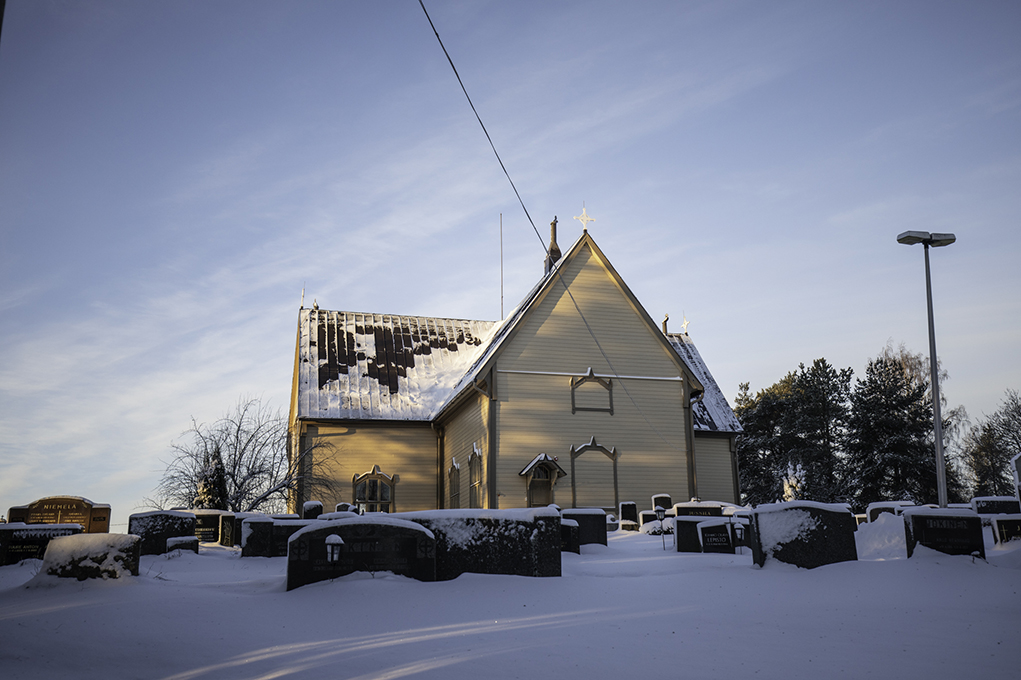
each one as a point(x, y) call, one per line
point(684, 325)
point(584, 218)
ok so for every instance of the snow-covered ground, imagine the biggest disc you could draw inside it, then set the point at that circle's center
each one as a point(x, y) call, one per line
point(628, 610)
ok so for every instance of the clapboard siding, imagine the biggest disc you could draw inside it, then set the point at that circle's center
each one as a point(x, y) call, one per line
point(650, 443)
point(405, 449)
point(467, 429)
point(713, 469)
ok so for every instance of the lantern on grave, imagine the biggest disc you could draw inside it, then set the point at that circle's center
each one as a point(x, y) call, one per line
point(333, 547)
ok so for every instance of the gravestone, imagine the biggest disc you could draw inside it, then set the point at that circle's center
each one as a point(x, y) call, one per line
point(1006, 528)
point(570, 538)
point(950, 531)
point(714, 534)
point(207, 524)
point(996, 505)
point(521, 542)
point(591, 524)
point(332, 548)
point(646, 516)
point(698, 509)
point(346, 507)
point(268, 537)
point(803, 533)
point(662, 500)
point(154, 528)
point(94, 517)
point(628, 511)
point(685, 529)
point(28, 541)
point(892, 507)
point(228, 536)
point(85, 556)
point(311, 509)
point(189, 543)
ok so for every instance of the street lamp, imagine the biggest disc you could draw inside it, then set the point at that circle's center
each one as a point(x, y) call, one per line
point(910, 238)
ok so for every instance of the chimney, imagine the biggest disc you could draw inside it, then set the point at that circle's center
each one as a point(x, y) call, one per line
point(665, 319)
point(553, 254)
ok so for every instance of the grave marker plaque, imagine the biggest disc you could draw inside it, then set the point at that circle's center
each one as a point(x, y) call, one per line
point(698, 510)
point(207, 524)
point(1006, 528)
point(954, 532)
point(686, 533)
point(996, 505)
point(154, 528)
point(94, 517)
point(570, 540)
point(591, 524)
point(28, 541)
point(662, 500)
point(803, 533)
point(715, 536)
point(629, 511)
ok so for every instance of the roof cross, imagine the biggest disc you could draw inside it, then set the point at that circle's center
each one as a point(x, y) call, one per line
point(584, 218)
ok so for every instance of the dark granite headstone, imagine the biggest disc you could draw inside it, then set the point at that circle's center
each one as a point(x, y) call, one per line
point(628, 511)
point(591, 524)
point(361, 544)
point(662, 500)
point(86, 556)
point(154, 528)
point(686, 533)
point(1006, 528)
point(874, 510)
point(346, 507)
point(228, 536)
point(311, 510)
point(715, 536)
point(698, 510)
point(20, 541)
point(570, 540)
point(207, 524)
point(996, 505)
point(189, 543)
point(522, 542)
point(94, 517)
point(268, 537)
point(803, 533)
point(646, 516)
point(954, 532)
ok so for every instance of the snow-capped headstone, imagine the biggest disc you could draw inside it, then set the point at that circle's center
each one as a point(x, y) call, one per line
point(662, 500)
point(85, 556)
point(685, 530)
point(628, 512)
point(698, 509)
point(715, 536)
point(996, 505)
point(268, 537)
point(20, 541)
point(591, 524)
point(189, 543)
point(207, 524)
point(94, 517)
point(570, 536)
point(892, 507)
point(1006, 528)
point(154, 528)
point(311, 509)
point(332, 548)
point(646, 516)
point(803, 533)
point(950, 531)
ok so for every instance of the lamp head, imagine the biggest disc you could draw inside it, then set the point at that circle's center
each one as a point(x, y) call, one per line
point(910, 238)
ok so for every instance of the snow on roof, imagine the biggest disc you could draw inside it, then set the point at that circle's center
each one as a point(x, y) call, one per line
point(712, 413)
point(381, 366)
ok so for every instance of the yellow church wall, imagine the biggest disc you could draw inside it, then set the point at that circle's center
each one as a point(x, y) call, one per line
point(714, 469)
point(405, 449)
point(466, 430)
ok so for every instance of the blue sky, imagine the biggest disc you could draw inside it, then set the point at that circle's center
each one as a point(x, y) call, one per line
point(172, 174)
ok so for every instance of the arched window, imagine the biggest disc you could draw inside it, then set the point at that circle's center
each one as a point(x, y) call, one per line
point(374, 491)
point(475, 478)
point(454, 485)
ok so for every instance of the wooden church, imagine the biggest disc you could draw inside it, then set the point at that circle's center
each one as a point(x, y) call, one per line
point(576, 398)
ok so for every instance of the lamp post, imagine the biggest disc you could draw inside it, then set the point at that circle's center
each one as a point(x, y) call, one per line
point(910, 238)
point(660, 514)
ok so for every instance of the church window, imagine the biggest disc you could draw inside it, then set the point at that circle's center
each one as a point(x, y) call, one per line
point(591, 393)
point(475, 477)
point(454, 485)
point(374, 491)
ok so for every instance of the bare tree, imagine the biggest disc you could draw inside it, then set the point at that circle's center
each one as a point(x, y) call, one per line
point(248, 447)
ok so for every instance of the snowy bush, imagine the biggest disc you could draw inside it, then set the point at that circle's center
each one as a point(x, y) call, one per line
point(85, 556)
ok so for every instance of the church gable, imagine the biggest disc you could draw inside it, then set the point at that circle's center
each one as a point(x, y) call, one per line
point(554, 337)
